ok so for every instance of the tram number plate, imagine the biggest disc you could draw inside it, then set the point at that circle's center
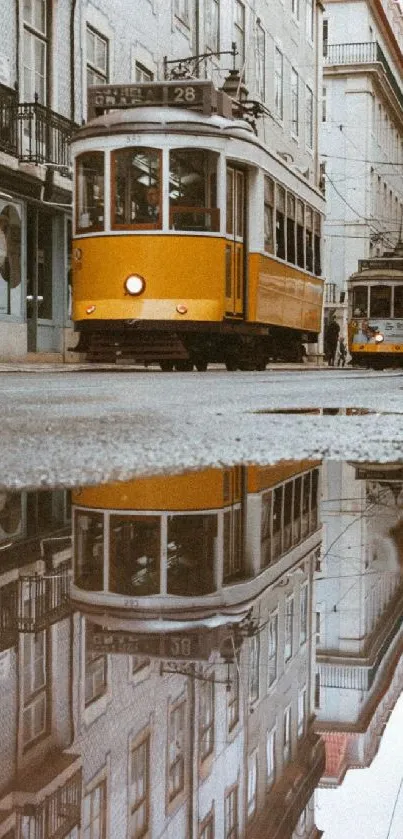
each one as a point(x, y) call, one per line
point(181, 94)
point(180, 646)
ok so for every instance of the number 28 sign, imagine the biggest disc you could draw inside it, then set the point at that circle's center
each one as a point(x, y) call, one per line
point(195, 95)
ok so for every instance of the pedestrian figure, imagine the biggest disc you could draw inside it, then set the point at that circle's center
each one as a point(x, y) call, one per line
point(331, 339)
point(341, 360)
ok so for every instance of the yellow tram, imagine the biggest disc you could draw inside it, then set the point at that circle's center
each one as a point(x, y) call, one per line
point(375, 297)
point(193, 243)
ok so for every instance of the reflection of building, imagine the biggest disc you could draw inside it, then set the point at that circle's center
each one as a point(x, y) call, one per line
point(358, 613)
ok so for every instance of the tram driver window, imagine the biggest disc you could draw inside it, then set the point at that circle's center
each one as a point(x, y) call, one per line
point(193, 190)
point(136, 188)
point(134, 561)
point(280, 222)
point(89, 551)
point(380, 301)
point(360, 302)
point(90, 191)
point(191, 554)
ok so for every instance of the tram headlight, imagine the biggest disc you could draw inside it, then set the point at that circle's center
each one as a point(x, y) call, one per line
point(379, 338)
point(135, 285)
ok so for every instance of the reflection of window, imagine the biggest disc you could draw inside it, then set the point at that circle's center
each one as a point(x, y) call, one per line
point(294, 102)
point(309, 118)
point(295, 8)
point(272, 650)
point(231, 813)
point(271, 756)
point(95, 673)
point(260, 61)
point(280, 221)
point(89, 550)
point(287, 734)
point(207, 827)
point(317, 690)
point(97, 57)
point(268, 214)
point(139, 663)
point(182, 10)
point(289, 625)
point(278, 82)
point(380, 298)
point(254, 663)
point(239, 33)
point(206, 718)
point(266, 522)
point(252, 784)
point(325, 38)
point(140, 789)
point(191, 553)
point(193, 190)
point(35, 46)
point(232, 543)
point(90, 190)
point(301, 712)
point(94, 815)
point(176, 749)
point(134, 554)
point(136, 188)
point(35, 714)
point(303, 614)
point(398, 304)
point(309, 19)
point(212, 25)
point(233, 698)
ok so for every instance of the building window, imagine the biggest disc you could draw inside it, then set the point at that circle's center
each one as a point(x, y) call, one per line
point(272, 650)
point(140, 789)
point(206, 830)
point(96, 666)
point(212, 25)
point(271, 756)
point(295, 9)
point(317, 689)
point(294, 102)
point(252, 785)
point(260, 61)
point(239, 34)
point(325, 38)
point(278, 83)
point(35, 678)
point(287, 734)
point(233, 699)
point(231, 813)
point(35, 50)
point(309, 19)
point(182, 11)
point(176, 749)
point(94, 816)
point(303, 615)
point(254, 668)
point(301, 712)
point(206, 718)
point(309, 118)
point(97, 57)
point(289, 624)
point(142, 74)
point(324, 104)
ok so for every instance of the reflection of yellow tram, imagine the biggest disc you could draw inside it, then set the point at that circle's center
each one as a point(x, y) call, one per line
point(376, 310)
point(191, 547)
point(192, 243)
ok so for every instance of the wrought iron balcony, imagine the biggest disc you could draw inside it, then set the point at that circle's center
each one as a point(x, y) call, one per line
point(33, 603)
point(56, 815)
point(366, 52)
point(34, 133)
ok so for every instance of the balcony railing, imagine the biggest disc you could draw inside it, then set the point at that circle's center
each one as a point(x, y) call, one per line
point(57, 815)
point(33, 603)
point(32, 132)
point(366, 52)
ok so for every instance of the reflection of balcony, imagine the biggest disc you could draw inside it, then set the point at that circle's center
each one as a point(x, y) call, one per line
point(48, 802)
point(32, 132)
point(289, 796)
point(368, 52)
point(33, 603)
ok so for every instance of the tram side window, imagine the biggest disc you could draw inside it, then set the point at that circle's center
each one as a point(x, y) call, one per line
point(192, 543)
point(280, 222)
point(136, 188)
point(398, 305)
point(134, 560)
point(290, 228)
point(90, 191)
point(268, 214)
point(300, 234)
point(360, 302)
point(193, 190)
point(308, 239)
point(316, 244)
point(380, 298)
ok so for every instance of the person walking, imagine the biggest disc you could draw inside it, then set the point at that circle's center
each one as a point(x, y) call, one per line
point(341, 358)
point(331, 340)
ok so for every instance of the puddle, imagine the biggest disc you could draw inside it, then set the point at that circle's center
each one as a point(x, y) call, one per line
point(325, 412)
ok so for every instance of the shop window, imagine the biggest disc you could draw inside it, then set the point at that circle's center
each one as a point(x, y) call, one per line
point(380, 298)
point(316, 243)
point(89, 551)
point(300, 234)
point(268, 215)
point(193, 191)
point(90, 192)
point(290, 228)
point(10, 259)
point(191, 552)
point(134, 563)
point(136, 188)
point(309, 239)
point(360, 302)
point(280, 222)
point(398, 302)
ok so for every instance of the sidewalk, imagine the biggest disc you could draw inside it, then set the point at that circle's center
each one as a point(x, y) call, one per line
point(83, 367)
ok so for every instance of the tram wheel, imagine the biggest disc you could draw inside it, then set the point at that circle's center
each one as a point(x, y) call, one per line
point(166, 366)
point(184, 366)
point(231, 365)
point(201, 366)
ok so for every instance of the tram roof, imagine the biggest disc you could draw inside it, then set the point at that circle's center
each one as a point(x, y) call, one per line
point(159, 119)
point(389, 272)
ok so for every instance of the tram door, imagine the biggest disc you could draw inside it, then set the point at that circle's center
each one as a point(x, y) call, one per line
point(235, 244)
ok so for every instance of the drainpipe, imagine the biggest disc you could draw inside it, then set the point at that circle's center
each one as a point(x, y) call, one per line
point(197, 36)
point(72, 49)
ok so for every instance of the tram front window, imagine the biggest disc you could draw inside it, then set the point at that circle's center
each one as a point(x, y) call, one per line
point(134, 561)
point(398, 304)
point(360, 302)
point(136, 188)
point(191, 554)
point(89, 551)
point(193, 190)
point(90, 191)
point(380, 298)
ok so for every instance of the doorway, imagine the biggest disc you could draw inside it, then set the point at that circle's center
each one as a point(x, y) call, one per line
point(235, 244)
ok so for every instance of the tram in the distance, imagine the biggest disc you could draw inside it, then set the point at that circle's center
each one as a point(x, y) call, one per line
point(192, 242)
point(375, 297)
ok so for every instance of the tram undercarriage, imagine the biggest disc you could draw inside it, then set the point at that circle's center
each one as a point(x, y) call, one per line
point(238, 346)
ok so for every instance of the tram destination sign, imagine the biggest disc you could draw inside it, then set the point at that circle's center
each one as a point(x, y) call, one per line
point(184, 646)
point(192, 94)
